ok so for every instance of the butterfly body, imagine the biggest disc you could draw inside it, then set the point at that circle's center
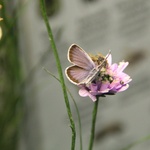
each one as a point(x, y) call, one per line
point(93, 74)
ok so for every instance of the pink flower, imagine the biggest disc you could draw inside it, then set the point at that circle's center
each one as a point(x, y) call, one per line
point(110, 81)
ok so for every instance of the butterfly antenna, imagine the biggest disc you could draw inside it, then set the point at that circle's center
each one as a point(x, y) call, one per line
point(108, 54)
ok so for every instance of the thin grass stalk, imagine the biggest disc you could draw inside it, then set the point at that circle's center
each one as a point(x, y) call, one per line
point(53, 45)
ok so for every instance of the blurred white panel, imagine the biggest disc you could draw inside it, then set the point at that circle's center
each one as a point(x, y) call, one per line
point(97, 26)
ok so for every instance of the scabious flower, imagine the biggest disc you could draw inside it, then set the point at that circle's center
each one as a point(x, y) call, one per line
point(110, 80)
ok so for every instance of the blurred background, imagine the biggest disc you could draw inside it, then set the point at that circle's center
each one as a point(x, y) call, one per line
point(32, 109)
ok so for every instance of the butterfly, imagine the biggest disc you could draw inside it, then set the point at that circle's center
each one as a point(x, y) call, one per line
point(83, 69)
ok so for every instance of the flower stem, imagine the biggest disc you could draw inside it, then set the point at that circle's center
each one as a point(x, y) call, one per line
point(52, 42)
point(94, 114)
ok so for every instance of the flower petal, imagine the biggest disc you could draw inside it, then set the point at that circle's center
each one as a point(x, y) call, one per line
point(93, 87)
point(122, 66)
point(109, 59)
point(93, 97)
point(123, 88)
point(104, 88)
point(114, 67)
point(83, 92)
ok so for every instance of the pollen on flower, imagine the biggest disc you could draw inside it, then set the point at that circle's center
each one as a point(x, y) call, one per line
point(98, 59)
point(111, 80)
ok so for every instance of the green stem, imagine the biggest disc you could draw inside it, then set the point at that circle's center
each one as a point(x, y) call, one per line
point(93, 124)
point(76, 107)
point(52, 42)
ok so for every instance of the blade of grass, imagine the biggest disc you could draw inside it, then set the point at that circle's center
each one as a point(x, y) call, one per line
point(11, 97)
point(76, 107)
point(52, 42)
point(137, 142)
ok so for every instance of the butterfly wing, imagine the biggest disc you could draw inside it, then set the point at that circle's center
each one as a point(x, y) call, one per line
point(76, 74)
point(82, 64)
point(79, 57)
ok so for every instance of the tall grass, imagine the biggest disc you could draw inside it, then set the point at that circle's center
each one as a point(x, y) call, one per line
point(10, 79)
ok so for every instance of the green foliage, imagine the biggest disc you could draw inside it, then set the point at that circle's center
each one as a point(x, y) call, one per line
point(10, 78)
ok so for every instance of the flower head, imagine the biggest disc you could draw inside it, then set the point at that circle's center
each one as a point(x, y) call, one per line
point(111, 80)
